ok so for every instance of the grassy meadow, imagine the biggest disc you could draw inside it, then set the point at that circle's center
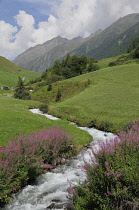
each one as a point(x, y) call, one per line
point(107, 99)
point(9, 73)
point(112, 98)
point(118, 60)
point(67, 88)
point(105, 62)
point(15, 118)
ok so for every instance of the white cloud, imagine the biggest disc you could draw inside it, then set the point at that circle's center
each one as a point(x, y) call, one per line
point(7, 37)
point(67, 18)
point(24, 37)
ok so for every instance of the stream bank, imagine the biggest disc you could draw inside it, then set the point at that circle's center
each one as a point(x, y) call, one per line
point(50, 189)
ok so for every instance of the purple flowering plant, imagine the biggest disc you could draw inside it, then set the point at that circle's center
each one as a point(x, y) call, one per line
point(113, 174)
point(23, 158)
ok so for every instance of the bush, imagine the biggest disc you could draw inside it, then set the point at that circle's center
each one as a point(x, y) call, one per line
point(58, 96)
point(44, 108)
point(105, 126)
point(49, 88)
point(112, 175)
point(23, 159)
point(135, 53)
point(95, 67)
point(112, 64)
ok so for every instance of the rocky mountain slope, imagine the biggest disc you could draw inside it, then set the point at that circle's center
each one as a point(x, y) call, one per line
point(113, 40)
point(42, 56)
point(107, 43)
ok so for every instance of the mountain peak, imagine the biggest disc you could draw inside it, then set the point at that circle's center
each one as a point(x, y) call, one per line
point(101, 44)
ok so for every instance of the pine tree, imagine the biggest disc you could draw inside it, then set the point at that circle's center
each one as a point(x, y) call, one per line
point(58, 96)
point(20, 92)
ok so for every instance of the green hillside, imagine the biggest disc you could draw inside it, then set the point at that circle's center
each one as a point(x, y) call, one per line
point(110, 102)
point(9, 73)
point(15, 118)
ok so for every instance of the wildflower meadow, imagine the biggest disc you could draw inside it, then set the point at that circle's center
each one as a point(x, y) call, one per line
point(24, 158)
point(112, 175)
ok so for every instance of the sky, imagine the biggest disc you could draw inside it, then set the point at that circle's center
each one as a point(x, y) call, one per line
point(26, 23)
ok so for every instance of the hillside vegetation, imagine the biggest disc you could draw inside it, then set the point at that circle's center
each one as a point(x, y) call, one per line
point(9, 73)
point(103, 97)
point(15, 118)
point(110, 102)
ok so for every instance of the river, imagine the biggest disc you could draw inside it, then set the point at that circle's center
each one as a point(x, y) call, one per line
point(50, 189)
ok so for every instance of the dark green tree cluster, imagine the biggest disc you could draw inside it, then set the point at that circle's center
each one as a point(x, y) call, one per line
point(133, 48)
point(71, 66)
point(133, 45)
point(20, 91)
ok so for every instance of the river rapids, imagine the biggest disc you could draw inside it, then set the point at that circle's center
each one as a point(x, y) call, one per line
point(50, 189)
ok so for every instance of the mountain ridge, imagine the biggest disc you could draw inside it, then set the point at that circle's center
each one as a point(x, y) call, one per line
point(102, 44)
point(94, 46)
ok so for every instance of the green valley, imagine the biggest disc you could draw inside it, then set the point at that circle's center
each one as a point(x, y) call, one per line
point(15, 118)
point(103, 94)
point(110, 100)
point(69, 105)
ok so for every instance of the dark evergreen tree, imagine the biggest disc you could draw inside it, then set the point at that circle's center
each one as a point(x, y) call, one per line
point(136, 53)
point(67, 59)
point(83, 64)
point(66, 72)
point(57, 68)
point(90, 67)
point(20, 92)
point(74, 65)
point(58, 96)
point(133, 45)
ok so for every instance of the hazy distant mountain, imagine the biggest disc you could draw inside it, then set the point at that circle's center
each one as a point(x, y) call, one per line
point(102, 44)
point(42, 56)
point(113, 40)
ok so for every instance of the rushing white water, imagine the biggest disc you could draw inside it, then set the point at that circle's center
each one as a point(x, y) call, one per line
point(50, 189)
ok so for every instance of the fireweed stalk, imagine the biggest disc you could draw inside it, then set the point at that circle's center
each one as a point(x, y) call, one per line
point(112, 175)
point(22, 159)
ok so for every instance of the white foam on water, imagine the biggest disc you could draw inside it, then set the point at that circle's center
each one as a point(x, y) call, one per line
point(37, 111)
point(52, 187)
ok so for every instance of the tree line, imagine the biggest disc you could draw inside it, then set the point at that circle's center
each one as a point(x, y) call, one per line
point(71, 66)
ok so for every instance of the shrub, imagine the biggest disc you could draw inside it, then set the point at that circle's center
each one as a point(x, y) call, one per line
point(105, 126)
point(58, 96)
point(22, 160)
point(20, 91)
point(49, 87)
point(135, 53)
point(44, 108)
point(112, 64)
point(112, 175)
